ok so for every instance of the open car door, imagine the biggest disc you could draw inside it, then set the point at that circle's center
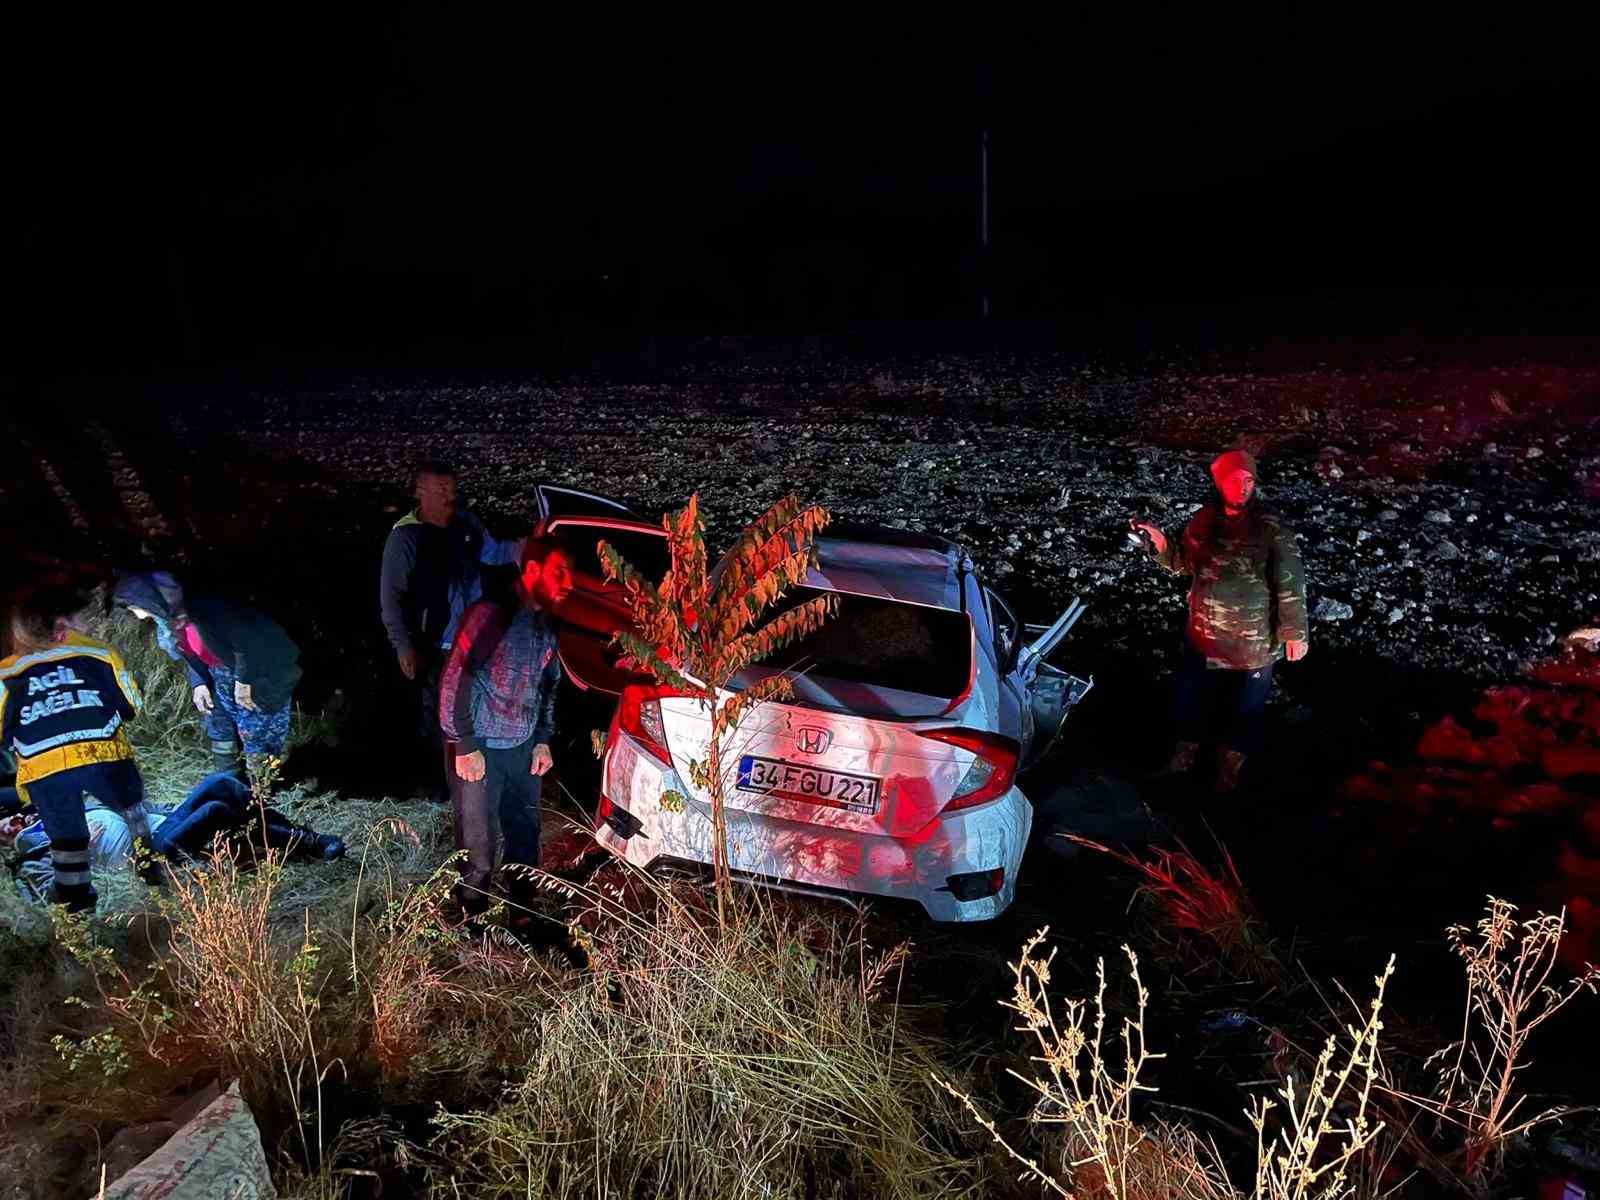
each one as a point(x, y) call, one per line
point(556, 502)
point(1052, 693)
point(597, 609)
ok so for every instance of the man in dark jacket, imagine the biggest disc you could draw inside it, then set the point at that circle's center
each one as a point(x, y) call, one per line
point(497, 699)
point(431, 573)
point(1247, 607)
point(243, 666)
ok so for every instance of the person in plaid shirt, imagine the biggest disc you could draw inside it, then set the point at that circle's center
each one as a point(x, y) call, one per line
point(497, 697)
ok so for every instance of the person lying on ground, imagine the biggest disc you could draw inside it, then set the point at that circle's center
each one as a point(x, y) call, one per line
point(242, 665)
point(430, 576)
point(497, 699)
point(222, 804)
point(1247, 608)
point(110, 846)
point(219, 805)
point(64, 700)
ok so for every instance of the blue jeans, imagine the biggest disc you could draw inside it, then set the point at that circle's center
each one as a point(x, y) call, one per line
point(59, 799)
point(1216, 704)
point(217, 804)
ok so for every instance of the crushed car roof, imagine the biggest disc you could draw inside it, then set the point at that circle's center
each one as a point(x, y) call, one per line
point(891, 564)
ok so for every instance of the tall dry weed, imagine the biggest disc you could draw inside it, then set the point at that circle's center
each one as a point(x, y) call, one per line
point(1509, 965)
point(1091, 1072)
point(755, 1059)
point(1088, 1085)
point(1315, 1150)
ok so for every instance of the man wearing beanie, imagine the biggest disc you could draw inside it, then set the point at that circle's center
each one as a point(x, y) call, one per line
point(1247, 608)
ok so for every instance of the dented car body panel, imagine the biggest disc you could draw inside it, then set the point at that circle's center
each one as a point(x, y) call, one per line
point(892, 771)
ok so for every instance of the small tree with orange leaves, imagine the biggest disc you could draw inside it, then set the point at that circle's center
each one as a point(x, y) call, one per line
point(694, 633)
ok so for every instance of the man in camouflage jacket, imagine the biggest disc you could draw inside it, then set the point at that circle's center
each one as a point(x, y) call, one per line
point(1247, 608)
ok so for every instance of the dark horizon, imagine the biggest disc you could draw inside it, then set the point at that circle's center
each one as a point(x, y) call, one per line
point(366, 185)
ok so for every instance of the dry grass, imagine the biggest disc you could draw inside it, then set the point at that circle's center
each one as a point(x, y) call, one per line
point(762, 1059)
point(1509, 994)
point(1087, 1084)
point(1088, 1088)
point(1193, 901)
point(687, 1061)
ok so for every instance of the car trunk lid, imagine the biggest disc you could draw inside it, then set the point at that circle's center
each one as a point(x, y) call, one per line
point(797, 763)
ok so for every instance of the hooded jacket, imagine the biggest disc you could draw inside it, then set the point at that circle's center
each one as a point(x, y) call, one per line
point(250, 644)
point(1249, 591)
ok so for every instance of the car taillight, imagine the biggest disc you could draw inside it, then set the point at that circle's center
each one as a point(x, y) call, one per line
point(639, 714)
point(990, 774)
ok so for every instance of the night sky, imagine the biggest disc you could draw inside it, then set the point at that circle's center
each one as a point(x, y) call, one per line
point(197, 190)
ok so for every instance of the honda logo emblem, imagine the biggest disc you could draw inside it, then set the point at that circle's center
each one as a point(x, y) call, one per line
point(812, 740)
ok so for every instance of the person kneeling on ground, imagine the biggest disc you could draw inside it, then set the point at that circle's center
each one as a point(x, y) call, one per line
point(242, 665)
point(497, 698)
point(64, 699)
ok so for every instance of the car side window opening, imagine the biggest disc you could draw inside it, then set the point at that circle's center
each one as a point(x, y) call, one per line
point(1007, 631)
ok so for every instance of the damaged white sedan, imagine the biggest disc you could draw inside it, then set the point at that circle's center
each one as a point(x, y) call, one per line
point(891, 773)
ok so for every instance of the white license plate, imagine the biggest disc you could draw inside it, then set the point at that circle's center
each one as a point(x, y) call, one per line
point(813, 785)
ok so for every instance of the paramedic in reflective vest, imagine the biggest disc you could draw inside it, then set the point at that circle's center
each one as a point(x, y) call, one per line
point(64, 701)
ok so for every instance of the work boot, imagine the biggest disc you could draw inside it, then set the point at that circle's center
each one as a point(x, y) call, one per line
point(74, 899)
point(1230, 767)
point(1182, 761)
point(227, 764)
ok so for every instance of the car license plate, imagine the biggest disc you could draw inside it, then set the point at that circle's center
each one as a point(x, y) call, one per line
point(813, 785)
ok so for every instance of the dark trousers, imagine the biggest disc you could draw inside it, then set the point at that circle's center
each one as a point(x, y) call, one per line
point(194, 826)
point(219, 803)
point(435, 753)
point(510, 788)
point(59, 799)
point(1212, 704)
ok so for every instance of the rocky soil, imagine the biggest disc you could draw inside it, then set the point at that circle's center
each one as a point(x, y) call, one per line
point(1447, 514)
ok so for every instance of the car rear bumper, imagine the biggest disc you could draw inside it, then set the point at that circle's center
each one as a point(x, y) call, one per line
point(636, 823)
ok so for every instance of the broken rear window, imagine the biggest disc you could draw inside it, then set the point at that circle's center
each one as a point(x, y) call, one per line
point(876, 643)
